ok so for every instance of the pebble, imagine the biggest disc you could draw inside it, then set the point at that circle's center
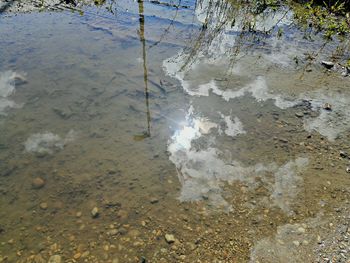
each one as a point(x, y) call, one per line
point(327, 106)
point(43, 206)
point(113, 232)
point(38, 183)
point(154, 200)
point(169, 238)
point(327, 64)
point(343, 154)
point(78, 214)
point(94, 212)
point(296, 243)
point(301, 230)
point(55, 259)
point(299, 114)
point(77, 256)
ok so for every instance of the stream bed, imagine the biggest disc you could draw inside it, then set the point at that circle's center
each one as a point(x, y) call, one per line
point(164, 131)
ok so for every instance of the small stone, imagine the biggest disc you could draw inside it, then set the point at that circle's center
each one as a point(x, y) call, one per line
point(55, 259)
point(43, 206)
point(94, 212)
point(319, 240)
point(169, 238)
point(77, 256)
point(154, 200)
point(327, 106)
point(296, 243)
point(122, 231)
point(38, 183)
point(78, 214)
point(327, 64)
point(63, 113)
point(299, 114)
point(343, 154)
point(112, 232)
point(301, 230)
point(283, 140)
point(348, 169)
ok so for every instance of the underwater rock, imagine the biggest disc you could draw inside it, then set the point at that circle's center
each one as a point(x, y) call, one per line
point(38, 183)
point(327, 64)
point(169, 238)
point(94, 212)
point(327, 106)
point(65, 113)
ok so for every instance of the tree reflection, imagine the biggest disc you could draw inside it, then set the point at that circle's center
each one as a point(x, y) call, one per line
point(146, 133)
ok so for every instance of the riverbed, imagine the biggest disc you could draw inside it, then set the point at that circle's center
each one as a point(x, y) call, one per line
point(171, 132)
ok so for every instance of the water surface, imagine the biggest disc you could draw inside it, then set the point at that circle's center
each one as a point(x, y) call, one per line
point(170, 118)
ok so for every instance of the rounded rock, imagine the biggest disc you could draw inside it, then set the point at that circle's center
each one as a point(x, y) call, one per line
point(38, 183)
point(94, 212)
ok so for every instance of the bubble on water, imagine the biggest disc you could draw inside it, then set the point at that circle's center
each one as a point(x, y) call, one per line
point(47, 142)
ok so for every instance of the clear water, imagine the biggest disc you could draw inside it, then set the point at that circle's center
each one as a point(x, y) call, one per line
point(213, 134)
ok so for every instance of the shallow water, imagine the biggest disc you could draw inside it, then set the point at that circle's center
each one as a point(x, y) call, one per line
point(170, 121)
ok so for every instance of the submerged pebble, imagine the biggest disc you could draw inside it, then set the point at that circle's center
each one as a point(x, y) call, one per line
point(327, 106)
point(327, 64)
point(94, 212)
point(43, 206)
point(169, 238)
point(38, 183)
